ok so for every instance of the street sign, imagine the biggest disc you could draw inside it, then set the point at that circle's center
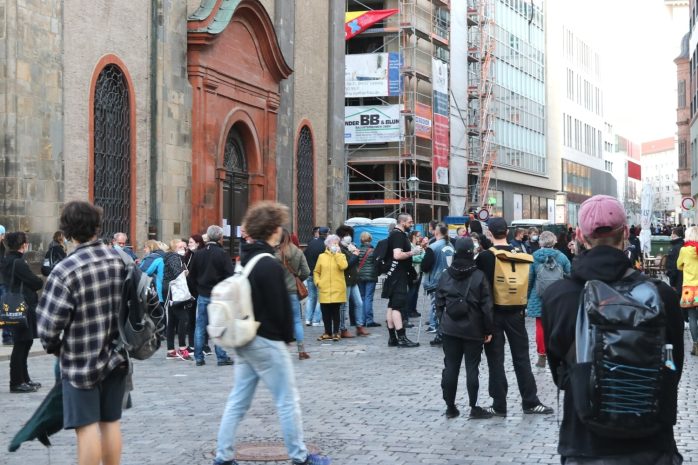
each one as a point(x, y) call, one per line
point(483, 214)
point(687, 203)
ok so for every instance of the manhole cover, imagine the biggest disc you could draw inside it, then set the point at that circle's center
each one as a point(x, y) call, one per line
point(266, 451)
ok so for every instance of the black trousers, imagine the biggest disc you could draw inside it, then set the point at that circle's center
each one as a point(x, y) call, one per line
point(178, 319)
point(455, 350)
point(18, 362)
point(512, 327)
point(330, 317)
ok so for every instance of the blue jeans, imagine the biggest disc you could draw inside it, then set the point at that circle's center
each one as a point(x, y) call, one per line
point(200, 331)
point(354, 295)
point(367, 289)
point(297, 322)
point(269, 361)
point(433, 320)
point(693, 323)
point(312, 306)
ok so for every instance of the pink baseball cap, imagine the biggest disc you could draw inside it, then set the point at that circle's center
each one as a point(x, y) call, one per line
point(601, 211)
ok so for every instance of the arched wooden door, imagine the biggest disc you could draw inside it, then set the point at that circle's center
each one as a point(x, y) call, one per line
point(235, 188)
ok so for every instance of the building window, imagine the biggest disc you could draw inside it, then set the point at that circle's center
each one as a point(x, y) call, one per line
point(305, 186)
point(681, 90)
point(112, 150)
point(682, 155)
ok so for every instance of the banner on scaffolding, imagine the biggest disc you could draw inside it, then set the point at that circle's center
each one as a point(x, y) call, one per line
point(356, 22)
point(372, 125)
point(422, 121)
point(440, 132)
point(372, 75)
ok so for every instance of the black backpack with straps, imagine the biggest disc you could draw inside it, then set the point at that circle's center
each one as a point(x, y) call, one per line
point(618, 367)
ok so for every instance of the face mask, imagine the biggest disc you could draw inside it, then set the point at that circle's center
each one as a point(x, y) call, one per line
point(334, 249)
point(346, 240)
point(192, 247)
point(524, 239)
point(534, 238)
point(117, 246)
point(181, 252)
point(476, 245)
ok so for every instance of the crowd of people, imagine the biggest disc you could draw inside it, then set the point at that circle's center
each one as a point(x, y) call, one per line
point(480, 284)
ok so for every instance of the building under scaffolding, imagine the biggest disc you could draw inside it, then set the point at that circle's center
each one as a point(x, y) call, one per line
point(403, 166)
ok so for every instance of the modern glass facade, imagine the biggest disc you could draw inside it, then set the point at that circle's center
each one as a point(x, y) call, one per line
point(519, 92)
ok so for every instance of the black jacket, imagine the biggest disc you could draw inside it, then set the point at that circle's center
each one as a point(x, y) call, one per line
point(272, 308)
point(479, 320)
point(208, 267)
point(313, 251)
point(29, 283)
point(674, 274)
point(560, 302)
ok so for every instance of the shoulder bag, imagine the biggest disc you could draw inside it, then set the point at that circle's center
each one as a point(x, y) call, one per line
point(13, 306)
point(301, 290)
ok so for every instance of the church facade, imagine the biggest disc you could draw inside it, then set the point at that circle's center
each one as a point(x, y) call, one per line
point(171, 115)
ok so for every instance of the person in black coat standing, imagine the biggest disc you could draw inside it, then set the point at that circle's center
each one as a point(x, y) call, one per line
point(674, 274)
point(464, 307)
point(17, 275)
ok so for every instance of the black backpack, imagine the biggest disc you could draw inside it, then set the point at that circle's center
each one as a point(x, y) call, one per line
point(382, 256)
point(620, 369)
point(141, 317)
point(49, 261)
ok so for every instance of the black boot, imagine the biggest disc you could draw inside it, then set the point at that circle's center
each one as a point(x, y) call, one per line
point(402, 340)
point(392, 337)
point(437, 341)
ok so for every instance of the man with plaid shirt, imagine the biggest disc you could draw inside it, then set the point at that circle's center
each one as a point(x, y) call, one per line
point(77, 322)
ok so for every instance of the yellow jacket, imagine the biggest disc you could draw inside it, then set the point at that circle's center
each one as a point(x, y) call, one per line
point(688, 262)
point(329, 277)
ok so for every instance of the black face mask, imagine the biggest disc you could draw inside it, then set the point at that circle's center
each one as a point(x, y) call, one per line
point(524, 239)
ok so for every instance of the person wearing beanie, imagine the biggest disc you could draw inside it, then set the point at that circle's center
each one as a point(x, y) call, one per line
point(603, 230)
point(464, 307)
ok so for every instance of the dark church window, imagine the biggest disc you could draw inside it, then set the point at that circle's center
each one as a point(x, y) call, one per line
point(305, 185)
point(112, 150)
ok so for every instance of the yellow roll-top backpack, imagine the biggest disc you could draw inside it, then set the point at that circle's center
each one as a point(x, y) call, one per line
point(511, 277)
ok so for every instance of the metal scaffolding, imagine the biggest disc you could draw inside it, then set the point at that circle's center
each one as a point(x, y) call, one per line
point(480, 113)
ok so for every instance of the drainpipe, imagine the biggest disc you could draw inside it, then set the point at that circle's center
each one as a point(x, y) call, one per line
point(153, 149)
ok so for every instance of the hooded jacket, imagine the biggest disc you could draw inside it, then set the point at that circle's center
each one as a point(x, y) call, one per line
point(329, 277)
point(688, 264)
point(453, 283)
point(533, 308)
point(272, 308)
point(560, 303)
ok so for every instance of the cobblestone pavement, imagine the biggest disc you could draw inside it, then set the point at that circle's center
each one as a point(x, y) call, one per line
point(363, 403)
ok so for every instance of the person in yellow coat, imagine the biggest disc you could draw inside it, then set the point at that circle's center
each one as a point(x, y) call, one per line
point(332, 289)
point(688, 263)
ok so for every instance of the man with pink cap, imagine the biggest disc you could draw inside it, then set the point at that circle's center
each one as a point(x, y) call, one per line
point(603, 230)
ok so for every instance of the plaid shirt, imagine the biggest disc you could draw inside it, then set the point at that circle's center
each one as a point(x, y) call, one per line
point(81, 303)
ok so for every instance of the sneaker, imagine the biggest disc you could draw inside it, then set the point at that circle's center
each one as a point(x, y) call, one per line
point(318, 324)
point(315, 459)
point(452, 412)
point(494, 412)
point(227, 462)
point(200, 363)
point(183, 354)
point(539, 409)
point(207, 350)
point(190, 349)
point(409, 325)
point(541, 361)
point(373, 324)
point(171, 355)
point(430, 329)
point(479, 413)
point(225, 362)
point(437, 341)
point(307, 323)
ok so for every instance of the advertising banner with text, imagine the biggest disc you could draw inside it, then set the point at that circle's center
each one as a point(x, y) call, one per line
point(372, 125)
point(440, 125)
point(372, 75)
point(422, 121)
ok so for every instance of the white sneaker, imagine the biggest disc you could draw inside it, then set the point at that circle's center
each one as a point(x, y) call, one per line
point(318, 324)
point(307, 323)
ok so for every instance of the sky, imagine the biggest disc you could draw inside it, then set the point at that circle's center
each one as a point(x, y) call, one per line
point(638, 42)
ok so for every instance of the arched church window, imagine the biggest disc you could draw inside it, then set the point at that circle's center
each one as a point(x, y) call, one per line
point(305, 185)
point(112, 150)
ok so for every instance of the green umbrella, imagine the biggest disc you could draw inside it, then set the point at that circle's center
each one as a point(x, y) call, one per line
point(47, 420)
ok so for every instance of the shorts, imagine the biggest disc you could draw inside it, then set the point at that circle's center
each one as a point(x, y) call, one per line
point(102, 403)
point(395, 290)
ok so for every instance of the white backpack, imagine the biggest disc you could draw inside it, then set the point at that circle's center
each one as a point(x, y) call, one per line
point(231, 321)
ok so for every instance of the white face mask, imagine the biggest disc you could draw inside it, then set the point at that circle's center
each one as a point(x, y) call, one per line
point(181, 252)
point(534, 238)
point(334, 248)
point(192, 247)
point(476, 245)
